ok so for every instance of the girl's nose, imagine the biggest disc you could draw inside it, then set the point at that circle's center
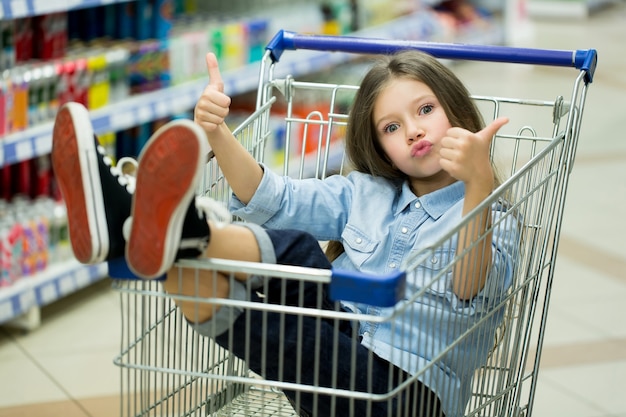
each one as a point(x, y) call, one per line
point(414, 133)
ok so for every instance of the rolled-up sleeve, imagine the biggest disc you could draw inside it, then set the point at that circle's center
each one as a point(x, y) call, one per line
point(320, 207)
point(265, 202)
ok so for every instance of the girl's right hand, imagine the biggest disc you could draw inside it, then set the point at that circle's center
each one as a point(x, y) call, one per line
point(213, 105)
point(243, 173)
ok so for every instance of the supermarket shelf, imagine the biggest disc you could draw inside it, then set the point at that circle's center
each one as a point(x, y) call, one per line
point(566, 9)
point(31, 293)
point(36, 141)
point(14, 9)
point(146, 107)
point(49, 285)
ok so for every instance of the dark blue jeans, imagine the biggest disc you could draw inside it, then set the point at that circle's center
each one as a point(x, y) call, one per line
point(342, 362)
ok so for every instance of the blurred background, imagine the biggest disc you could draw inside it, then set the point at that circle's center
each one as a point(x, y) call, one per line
point(138, 64)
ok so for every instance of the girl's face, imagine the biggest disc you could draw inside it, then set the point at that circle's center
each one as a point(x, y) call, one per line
point(410, 124)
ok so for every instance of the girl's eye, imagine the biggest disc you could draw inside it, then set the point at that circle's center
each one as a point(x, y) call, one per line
point(390, 128)
point(426, 109)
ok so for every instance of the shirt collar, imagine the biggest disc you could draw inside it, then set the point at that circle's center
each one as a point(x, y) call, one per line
point(435, 203)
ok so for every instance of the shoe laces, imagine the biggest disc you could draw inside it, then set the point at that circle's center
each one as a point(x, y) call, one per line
point(126, 180)
point(214, 210)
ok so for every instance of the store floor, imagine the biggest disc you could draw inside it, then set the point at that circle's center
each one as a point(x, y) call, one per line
point(65, 367)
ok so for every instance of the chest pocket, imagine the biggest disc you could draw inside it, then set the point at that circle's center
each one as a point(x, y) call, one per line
point(435, 265)
point(358, 246)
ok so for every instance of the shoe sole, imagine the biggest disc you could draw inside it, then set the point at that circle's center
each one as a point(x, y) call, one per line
point(75, 165)
point(168, 174)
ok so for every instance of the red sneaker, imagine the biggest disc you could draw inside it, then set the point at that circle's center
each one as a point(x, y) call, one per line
point(97, 195)
point(166, 225)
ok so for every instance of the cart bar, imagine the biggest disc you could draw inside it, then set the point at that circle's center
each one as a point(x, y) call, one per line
point(584, 60)
point(379, 290)
point(357, 287)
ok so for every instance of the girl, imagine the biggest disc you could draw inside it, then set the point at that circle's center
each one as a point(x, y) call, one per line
point(421, 162)
point(420, 155)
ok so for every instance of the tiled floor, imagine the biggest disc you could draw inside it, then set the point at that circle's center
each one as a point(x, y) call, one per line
point(65, 367)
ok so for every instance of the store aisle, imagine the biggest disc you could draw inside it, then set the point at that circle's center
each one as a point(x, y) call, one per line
point(65, 368)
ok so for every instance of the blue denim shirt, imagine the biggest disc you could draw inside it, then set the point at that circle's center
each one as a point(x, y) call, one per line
point(381, 224)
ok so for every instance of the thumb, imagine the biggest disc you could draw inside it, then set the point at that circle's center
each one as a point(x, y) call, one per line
point(492, 128)
point(215, 78)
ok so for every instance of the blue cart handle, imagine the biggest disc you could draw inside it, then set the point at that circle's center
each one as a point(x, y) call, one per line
point(584, 60)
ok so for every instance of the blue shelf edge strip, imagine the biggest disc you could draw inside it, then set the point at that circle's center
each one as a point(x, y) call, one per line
point(40, 289)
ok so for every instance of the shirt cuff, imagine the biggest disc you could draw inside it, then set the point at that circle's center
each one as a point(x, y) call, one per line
point(264, 203)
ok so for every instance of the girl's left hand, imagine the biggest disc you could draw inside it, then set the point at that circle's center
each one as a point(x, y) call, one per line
point(465, 155)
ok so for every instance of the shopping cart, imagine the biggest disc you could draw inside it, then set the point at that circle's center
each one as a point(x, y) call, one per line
point(168, 369)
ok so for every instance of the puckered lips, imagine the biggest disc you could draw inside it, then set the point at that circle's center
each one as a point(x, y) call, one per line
point(421, 148)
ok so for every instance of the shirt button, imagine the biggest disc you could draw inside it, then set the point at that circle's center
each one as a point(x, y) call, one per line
point(392, 265)
point(405, 230)
point(418, 204)
point(434, 260)
point(358, 240)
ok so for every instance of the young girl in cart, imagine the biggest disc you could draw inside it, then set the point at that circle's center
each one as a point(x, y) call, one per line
point(420, 157)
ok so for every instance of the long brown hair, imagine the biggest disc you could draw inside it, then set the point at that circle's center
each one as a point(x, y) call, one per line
point(363, 149)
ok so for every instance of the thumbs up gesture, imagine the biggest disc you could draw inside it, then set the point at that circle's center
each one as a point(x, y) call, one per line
point(213, 105)
point(465, 155)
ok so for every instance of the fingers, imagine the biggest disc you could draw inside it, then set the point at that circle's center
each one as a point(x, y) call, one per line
point(465, 155)
point(215, 77)
point(455, 134)
point(492, 128)
point(213, 105)
point(209, 115)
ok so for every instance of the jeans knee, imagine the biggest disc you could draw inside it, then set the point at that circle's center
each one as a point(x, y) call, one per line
point(295, 247)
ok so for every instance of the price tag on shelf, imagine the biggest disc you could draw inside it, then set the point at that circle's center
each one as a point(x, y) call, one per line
point(83, 277)
point(182, 103)
point(66, 285)
point(47, 6)
point(24, 150)
point(27, 300)
point(161, 109)
point(18, 8)
point(75, 3)
point(42, 144)
point(6, 311)
point(144, 114)
point(121, 120)
point(47, 293)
